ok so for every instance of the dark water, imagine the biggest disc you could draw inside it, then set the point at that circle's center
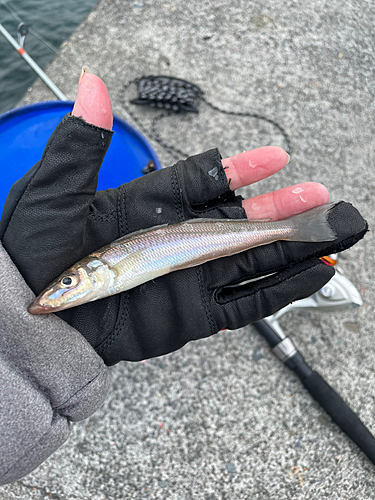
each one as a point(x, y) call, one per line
point(53, 19)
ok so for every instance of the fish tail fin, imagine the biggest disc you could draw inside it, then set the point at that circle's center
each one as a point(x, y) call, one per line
point(313, 225)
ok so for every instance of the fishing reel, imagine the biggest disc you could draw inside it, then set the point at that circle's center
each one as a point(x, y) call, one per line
point(339, 293)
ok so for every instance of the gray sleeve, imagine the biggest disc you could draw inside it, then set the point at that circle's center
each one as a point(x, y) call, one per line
point(49, 376)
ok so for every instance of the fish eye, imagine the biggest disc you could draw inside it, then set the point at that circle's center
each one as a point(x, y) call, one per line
point(69, 281)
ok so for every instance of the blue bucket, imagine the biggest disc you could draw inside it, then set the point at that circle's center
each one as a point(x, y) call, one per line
point(25, 131)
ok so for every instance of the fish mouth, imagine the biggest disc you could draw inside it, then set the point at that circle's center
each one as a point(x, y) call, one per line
point(35, 308)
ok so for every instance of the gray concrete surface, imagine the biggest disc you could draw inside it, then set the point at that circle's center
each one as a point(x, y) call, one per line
point(222, 418)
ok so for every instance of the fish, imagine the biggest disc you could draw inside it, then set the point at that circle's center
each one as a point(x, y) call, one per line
point(147, 254)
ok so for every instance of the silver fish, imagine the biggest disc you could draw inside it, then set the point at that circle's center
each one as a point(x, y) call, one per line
point(147, 254)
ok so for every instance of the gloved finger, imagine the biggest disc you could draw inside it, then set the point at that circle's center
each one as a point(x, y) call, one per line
point(286, 202)
point(201, 178)
point(196, 187)
point(93, 105)
point(282, 203)
point(347, 223)
point(208, 181)
point(49, 206)
point(173, 195)
point(234, 307)
point(254, 165)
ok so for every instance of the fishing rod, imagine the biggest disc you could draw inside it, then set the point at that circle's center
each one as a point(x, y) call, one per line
point(338, 293)
point(23, 30)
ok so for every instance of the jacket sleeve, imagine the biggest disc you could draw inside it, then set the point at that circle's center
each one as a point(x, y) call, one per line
point(49, 376)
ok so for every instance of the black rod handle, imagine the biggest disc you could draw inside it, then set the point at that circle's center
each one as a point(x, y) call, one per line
point(323, 393)
point(340, 413)
point(265, 329)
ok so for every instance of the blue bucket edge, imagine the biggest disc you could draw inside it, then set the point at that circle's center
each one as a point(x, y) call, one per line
point(48, 104)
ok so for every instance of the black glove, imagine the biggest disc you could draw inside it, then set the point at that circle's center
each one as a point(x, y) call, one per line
point(53, 217)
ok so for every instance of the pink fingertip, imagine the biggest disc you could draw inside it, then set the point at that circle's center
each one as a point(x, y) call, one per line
point(287, 201)
point(93, 103)
point(254, 165)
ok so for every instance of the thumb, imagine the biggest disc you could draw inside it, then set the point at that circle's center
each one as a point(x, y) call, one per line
point(49, 206)
point(93, 103)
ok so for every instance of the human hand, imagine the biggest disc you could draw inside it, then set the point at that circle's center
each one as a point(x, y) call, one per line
point(53, 217)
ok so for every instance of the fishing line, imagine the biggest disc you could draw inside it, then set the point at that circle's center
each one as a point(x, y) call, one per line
point(14, 14)
point(40, 37)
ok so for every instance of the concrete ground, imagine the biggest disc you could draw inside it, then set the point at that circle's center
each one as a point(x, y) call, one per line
point(222, 418)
